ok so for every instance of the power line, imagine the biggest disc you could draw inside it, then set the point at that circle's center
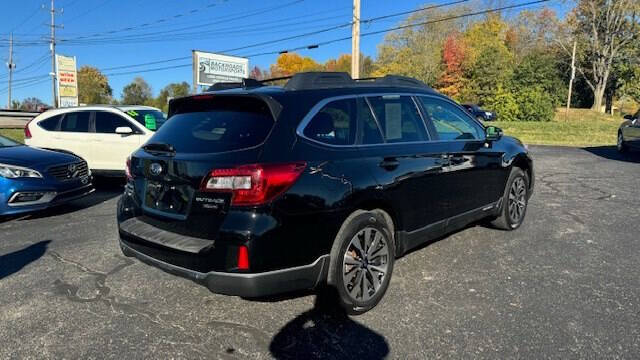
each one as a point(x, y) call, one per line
point(294, 36)
point(240, 15)
point(226, 19)
point(313, 46)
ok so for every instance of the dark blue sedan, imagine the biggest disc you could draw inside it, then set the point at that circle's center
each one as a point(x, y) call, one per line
point(480, 114)
point(34, 179)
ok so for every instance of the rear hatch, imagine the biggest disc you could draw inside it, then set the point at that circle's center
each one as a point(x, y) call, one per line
point(204, 134)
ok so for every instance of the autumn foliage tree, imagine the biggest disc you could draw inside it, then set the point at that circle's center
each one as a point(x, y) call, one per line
point(453, 52)
point(291, 63)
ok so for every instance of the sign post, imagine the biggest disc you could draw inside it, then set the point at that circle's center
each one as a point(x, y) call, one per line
point(210, 68)
point(67, 84)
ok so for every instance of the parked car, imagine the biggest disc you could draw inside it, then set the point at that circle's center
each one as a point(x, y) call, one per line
point(629, 133)
point(34, 179)
point(480, 114)
point(261, 190)
point(103, 135)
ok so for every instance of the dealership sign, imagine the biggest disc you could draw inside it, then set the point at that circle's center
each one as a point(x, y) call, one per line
point(209, 68)
point(67, 81)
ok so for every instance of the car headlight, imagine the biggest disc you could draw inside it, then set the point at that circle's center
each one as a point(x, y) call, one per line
point(487, 113)
point(12, 172)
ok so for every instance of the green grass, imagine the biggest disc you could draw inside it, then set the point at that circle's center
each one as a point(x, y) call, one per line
point(580, 127)
point(15, 134)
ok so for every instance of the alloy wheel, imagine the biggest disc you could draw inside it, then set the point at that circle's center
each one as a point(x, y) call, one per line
point(517, 200)
point(365, 264)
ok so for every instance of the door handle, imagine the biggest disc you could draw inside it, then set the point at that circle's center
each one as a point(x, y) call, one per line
point(389, 163)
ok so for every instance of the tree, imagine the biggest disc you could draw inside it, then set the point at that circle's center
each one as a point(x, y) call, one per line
point(605, 28)
point(540, 69)
point(343, 64)
point(172, 90)
point(15, 105)
point(258, 73)
point(93, 86)
point(32, 104)
point(138, 92)
point(415, 51)
point(291, 63)
point(453, 52)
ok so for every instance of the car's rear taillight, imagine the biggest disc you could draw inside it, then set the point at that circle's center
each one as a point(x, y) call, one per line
point(127, 168)
point(254, 184)
point(27, 132)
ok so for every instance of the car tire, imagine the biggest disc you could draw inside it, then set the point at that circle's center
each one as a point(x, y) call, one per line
point(620, 145)
point(514, 201)
point(360, 269)
point(481, 118)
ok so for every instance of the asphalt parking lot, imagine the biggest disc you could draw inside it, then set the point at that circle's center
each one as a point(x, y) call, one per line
point(565, 285)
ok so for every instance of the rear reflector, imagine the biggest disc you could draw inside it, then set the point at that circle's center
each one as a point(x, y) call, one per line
point(254, 184)
point(243, 258)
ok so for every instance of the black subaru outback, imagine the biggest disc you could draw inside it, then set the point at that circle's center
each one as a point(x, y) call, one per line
point(256, 190)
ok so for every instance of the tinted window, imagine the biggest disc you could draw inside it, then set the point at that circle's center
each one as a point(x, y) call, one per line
point(399, 118)
point(450, 122)
point(371, 134)
point(51, 123)
point(75, 122)
point(334, 124)
point(220, 124)
point(107, 122)
point(151, 119)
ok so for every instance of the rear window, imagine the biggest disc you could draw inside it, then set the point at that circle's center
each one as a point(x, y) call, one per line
point(220, 124)
point(151, 119)
point(51, 123)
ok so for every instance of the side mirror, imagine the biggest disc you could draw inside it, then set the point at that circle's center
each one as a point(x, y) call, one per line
point(124, 130)
point(493, 133)
point(628, 117)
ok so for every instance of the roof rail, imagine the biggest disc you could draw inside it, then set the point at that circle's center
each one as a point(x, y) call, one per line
point(321, 79)
point(394, 80)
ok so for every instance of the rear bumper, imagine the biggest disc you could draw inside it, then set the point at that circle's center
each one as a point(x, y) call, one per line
point(245, 285)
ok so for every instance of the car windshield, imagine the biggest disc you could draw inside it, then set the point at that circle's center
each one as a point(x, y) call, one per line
point(151, 119)
point(5, 142)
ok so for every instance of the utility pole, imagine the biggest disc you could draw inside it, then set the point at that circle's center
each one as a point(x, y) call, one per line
point(573, 75)
point(11, 66)
point(355, 41)
point(52, 45)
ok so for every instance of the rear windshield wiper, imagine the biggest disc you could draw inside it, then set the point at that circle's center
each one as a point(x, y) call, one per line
point(160, 149)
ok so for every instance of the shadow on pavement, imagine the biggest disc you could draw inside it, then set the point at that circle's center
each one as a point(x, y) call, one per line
point(15, 261)
point(611, 153)
point(327, 332)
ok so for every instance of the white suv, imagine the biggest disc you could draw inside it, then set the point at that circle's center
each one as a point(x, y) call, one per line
point(103, 135)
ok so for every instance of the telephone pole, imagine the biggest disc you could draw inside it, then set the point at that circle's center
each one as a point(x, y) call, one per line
point(355, 41)
point(52, 45)
point(11, 66)
point(573, 75)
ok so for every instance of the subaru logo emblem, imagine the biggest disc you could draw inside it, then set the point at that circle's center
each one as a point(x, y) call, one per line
point(155, 169)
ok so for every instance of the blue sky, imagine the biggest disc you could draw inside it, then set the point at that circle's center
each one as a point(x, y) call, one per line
point(212, 25)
